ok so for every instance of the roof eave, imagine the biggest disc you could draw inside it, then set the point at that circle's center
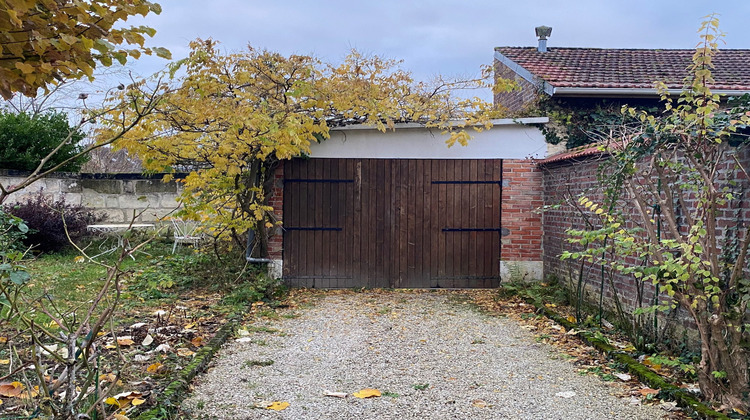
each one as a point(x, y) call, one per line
point(457, 123)
point(629, 92)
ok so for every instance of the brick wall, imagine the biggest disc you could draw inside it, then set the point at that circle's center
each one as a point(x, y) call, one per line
point(522, 197)
point(566, 180)
point(276, 241)
point(517, 100)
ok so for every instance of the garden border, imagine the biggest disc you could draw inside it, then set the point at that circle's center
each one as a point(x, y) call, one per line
point(166, 405)
point(683, 398)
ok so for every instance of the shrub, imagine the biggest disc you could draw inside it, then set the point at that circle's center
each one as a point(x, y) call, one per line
point(13, 231)
point(27, 139)
point(45, 219)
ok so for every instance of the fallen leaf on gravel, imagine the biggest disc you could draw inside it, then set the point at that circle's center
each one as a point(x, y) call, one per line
point(154, 367)
point(163, 348)
point(648, 391)
point(367, 393)
point(571, 319)
point(566, 394)
point(655, 366)
point(125, 341)
point(109, 377)
point(328, 393)
point(479, 403)
point(623, 376)
point(11, 389)
point(183, 352)
point(668, 406)
point(634, 401)
point(124, 399)
point(197, 341)
point(278, 405)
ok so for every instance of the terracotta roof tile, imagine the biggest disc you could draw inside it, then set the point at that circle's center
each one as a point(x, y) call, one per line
point(627, 68)
point(581, 152)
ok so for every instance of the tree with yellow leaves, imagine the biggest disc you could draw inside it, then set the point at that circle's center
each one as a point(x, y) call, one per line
point(232, 117)
point(44, 42)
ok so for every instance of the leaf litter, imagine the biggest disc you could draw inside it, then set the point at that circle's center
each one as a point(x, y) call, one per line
point(588, 359)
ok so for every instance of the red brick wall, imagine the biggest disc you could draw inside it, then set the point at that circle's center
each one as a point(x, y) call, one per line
point(517, 100)
point(565, 181)
point(522, 197)
point(276, 241)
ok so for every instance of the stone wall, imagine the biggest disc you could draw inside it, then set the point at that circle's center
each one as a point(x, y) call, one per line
point(116, 196)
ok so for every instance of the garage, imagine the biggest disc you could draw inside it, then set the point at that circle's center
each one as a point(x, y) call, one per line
point(399, 210)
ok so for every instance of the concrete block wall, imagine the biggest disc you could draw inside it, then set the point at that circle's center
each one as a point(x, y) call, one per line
point(117, 197)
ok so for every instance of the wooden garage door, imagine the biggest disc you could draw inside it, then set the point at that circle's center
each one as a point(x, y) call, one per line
point(392, 223)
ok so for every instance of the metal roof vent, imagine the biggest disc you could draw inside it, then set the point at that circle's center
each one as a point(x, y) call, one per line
point(542, 32)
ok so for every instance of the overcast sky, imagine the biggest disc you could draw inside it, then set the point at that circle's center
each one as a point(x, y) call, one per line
point(449, 37)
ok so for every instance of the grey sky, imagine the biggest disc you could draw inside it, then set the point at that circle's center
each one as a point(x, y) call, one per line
point(448, 37)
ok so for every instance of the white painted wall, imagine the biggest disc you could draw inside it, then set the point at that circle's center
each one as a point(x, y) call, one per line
point(508, 139)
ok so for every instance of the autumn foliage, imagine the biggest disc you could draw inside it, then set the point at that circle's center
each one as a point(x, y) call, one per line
point(232, 117)
point(44, 42)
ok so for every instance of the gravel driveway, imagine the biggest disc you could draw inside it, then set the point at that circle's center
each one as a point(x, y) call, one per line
point(431, 358)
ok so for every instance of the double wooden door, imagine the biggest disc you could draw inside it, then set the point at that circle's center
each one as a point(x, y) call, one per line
point(398, 223)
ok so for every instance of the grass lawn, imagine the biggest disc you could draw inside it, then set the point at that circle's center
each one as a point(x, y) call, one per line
point(168, 308)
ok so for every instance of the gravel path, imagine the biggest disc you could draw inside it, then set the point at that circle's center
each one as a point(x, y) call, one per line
point(477, 367)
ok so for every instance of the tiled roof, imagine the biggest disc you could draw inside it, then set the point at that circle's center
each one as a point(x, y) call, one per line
point(581, 152)
point(627, 68)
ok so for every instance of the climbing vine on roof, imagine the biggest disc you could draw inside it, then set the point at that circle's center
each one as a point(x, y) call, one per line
point(580, 121)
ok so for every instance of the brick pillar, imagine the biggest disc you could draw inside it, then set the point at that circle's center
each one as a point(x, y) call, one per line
point(521, 252)
point(276, 241)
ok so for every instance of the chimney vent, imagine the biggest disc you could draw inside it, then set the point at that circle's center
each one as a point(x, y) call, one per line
point(543, 32)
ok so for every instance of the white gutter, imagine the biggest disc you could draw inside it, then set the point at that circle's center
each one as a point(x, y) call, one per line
point(495, 122)
point(630, 92)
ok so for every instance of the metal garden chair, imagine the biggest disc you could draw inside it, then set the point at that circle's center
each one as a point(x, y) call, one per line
point(186, 232)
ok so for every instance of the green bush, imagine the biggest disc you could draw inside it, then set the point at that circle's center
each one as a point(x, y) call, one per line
point(13, 232)
point(27, 139)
